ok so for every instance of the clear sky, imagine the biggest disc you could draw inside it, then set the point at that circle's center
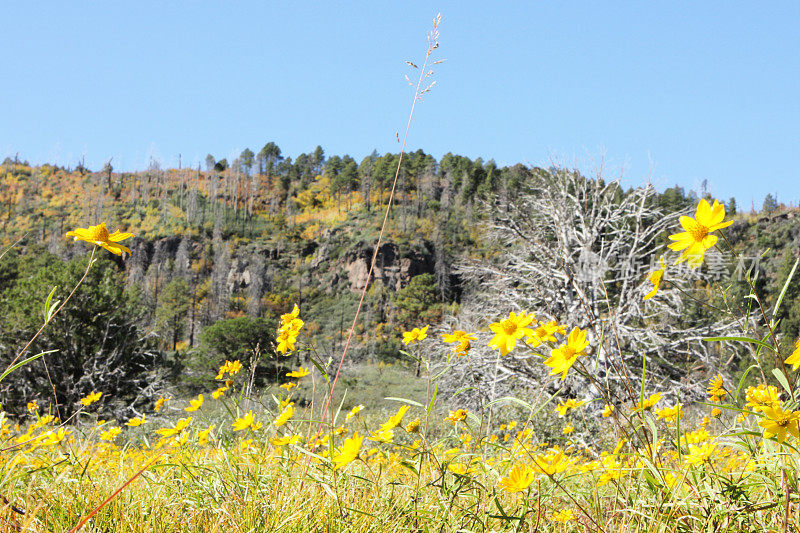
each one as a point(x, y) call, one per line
point(673, 92)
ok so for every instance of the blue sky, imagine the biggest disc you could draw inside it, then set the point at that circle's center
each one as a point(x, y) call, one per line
point(672, 92)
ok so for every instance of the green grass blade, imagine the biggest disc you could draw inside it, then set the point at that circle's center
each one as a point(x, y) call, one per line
point(23, 363)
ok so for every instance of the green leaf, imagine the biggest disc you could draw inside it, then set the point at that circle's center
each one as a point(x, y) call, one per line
point(50, 306)
point(785, 287)
point(408, 466)
point(339, 409)
point(597, 352)
point(742, 380)
point(475, 420)
point(23, 363)
point(433, 399)
point(782, 380)
point(510, 399)
point(321, 370)
point(644, 374)
point(404, 400)
point(464, 389)
point(740, 339)
point(503, 513)
point(654, 430)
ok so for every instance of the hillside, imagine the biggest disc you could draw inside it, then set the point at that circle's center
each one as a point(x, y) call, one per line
point(254, 237)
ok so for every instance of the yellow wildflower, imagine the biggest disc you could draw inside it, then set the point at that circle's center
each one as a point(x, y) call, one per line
point(247, 421)
point(569, 428)
point(349, 450)
point(462, 338)
point(396, 419)
point(649, 402)
point(415, 335)
point(286, 340)
point(33, 406)
point(99, 236)
point(229, 368)
point(612, 469)
point(284, 417)
point(607, 410)
point(299, 373)
point(794, 359)
point(43, 421)
point(234, 367)
point(217, 394)
point(457, 336)
point(180, 441)
point(136, 421)
point(700, 454)
point(89, 399)
point(353, 412)
point(290, 321)
point(460, 469)
point(695, 437)
point(462, 348)
point(696, 238)
point(457, 416)
point(203, 436)
point(288, 386)
point(382, 435)
point(552, 462)
point(110, 433)
point(509, 330)
point(179, 426)
point(413, 426)
point(286, 440)
point(544, 333)
point(563, 516)
point(519, 479)
point(762, 396)
point(562, 358)
point(288, 317)
point(160, 403)
point(194, 405)
point(777, 422)
point(716, 389)
point(670, 413)
point(563, 407)
point(55, 437)
point(655, 279)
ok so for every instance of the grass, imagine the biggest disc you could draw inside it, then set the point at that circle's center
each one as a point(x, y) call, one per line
point(445, 478)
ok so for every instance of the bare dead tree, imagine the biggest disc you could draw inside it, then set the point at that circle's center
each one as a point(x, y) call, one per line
point(578, 251)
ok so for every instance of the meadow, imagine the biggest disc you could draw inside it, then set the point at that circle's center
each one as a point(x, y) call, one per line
point(273, 462)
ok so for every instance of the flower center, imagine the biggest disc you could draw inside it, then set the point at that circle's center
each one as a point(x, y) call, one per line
point(699, 232)
point(569, 352)
point(509, 326)
point(99, 233)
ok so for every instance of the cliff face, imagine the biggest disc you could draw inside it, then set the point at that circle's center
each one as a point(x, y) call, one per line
point(255, 269)
point(391, 269)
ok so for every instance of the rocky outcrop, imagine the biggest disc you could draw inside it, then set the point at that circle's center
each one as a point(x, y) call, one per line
point(391, 268)
point(249, 268)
